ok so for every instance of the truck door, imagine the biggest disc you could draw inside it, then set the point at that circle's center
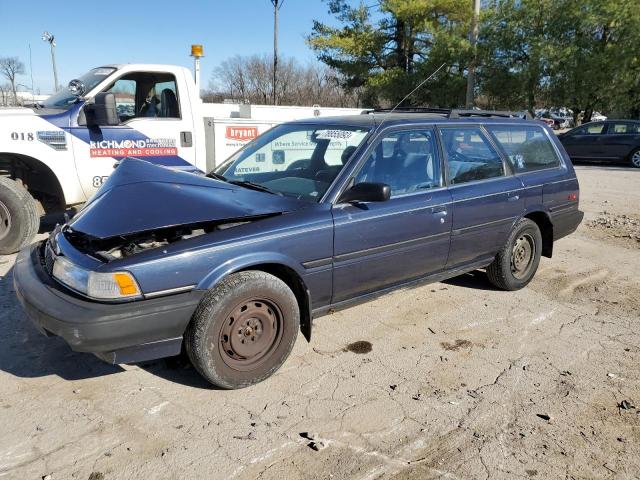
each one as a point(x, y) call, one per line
point(155, 125)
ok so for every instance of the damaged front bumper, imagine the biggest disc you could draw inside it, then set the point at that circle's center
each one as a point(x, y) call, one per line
point(118, 333)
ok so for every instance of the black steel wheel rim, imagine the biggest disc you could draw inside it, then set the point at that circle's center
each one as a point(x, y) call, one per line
point(522, 255)
point(250, 334)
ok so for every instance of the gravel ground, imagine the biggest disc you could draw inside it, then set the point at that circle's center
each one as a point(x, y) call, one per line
point(449, 380)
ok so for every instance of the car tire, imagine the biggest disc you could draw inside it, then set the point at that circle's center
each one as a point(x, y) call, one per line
point(516, 264)
point(634, 158)
point(243, 330)
point(19, 218)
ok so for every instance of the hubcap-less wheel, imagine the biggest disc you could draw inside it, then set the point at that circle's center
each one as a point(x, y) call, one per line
point(522, 255)
point(250, 333)
point(5, 220)
point(635, 159)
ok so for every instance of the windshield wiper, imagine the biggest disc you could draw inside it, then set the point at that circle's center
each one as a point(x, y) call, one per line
point(253, 186)
point(217, 176)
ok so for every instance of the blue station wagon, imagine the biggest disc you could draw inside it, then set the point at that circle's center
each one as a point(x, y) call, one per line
point(310, 217)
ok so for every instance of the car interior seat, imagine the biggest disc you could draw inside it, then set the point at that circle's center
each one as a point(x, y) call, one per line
point(168, 104)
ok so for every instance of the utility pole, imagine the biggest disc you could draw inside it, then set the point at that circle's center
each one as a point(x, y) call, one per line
point(49, 38)
point(277, 5)
point(471, 77)
point(33, 98)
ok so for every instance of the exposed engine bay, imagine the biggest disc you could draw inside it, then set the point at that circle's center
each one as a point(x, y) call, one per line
point(114, 248)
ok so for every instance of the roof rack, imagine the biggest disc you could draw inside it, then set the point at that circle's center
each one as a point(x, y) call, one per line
point(456, 113)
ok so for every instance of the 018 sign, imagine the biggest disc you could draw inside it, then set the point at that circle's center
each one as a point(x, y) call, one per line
point(22, 136)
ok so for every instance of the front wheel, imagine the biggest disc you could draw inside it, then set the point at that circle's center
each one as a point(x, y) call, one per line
point(517, 262)
point(19, 218)
point(634, 158)
point(243, 330)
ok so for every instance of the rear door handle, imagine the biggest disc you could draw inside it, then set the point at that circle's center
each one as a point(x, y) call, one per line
point(513, 198)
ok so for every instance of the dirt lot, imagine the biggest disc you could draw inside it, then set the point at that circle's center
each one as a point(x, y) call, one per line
point(459, 381)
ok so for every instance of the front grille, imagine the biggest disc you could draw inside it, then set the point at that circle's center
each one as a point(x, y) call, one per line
point(49, 258)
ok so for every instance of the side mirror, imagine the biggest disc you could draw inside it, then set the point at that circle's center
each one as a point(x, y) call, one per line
point(103, 111)
point(76, 88)
point(367, 192)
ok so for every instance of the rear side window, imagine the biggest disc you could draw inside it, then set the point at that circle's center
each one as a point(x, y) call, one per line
point(621, 128)
point(527, 147)
point(470, 156)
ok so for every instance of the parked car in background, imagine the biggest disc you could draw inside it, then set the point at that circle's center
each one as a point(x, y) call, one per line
point(312, 216)
point(612, 140)
point(557, 119)
point(598, 117)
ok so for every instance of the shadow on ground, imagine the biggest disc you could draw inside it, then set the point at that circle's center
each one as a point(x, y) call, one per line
point(477, 280)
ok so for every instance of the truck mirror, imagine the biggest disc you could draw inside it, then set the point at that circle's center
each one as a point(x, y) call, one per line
point(103, 111)
point(77, 88)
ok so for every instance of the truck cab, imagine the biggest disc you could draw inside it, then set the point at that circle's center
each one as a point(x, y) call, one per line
point(59, 153)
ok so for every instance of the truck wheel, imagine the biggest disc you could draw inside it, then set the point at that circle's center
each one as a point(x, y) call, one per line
point(243, 330)
point(19, 219)
point(634, 158)
point(517, 262)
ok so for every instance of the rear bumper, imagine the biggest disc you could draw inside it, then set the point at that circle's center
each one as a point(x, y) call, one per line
point(119, 333)
point(566, 222)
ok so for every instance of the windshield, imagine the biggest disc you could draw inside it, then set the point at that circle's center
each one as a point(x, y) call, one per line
point(299, 160)
point(64, 99)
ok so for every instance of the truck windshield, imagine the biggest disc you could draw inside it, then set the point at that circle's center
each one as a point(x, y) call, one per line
point(299, 160)
point(63, 99)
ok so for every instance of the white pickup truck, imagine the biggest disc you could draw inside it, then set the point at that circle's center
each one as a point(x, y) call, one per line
point(57, 154)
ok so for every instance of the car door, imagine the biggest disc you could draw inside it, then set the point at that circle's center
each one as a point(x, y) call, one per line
point(584, 142)
point(152, 128)
point(380, 244)
point(620, 140)
point(487, 198)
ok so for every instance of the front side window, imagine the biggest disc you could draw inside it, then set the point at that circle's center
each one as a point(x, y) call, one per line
point(527, 147)
point(406, 160)
point(589, 129)
point(299, 160)
point(470, 156)
point(146, 95)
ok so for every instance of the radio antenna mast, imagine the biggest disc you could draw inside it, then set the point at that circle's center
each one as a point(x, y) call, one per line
point(411, 93)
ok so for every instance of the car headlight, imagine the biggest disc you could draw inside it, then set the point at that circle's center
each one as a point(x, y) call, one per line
point(98, 285)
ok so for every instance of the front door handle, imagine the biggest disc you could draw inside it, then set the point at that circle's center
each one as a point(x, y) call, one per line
point(440, 211)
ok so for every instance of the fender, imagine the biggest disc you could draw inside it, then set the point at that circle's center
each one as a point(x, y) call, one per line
point(542, 216)
point(268, 261)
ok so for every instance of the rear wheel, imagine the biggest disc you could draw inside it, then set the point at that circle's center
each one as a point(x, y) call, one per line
point(634, 158)
point(517, 262)
point(19, 218)
point(243, 330)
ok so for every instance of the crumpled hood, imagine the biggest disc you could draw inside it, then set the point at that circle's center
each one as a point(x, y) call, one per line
point(140, 196)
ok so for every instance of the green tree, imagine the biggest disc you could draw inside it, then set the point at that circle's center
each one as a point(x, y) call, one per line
point(595, 62)
point(514, 51)
point(385, 55)
point(583, 54)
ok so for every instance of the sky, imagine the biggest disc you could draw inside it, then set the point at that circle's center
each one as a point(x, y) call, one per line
point(91, 33)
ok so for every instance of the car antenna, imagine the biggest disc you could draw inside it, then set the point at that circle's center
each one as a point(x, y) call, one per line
point(409, 94)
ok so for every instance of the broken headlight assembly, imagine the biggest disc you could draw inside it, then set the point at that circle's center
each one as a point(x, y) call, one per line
point(96, 285)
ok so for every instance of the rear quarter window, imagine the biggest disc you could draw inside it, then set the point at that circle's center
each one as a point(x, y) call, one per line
point(527, 147)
